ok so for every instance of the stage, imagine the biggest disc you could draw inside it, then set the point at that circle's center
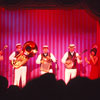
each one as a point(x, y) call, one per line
point(56, 28)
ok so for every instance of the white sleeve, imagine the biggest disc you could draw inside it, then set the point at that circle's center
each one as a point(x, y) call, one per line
point(12, 56)
point(52, 57)
point(78, 60)
point(77, 54)
point(64, 57)
point(38, 60)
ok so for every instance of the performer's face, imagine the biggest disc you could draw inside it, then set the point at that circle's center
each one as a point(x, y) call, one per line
point(18, 48)
point(45, 50)
point(92, 53)
point(71, 49)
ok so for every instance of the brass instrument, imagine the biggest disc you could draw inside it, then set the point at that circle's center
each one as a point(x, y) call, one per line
point(29, 50)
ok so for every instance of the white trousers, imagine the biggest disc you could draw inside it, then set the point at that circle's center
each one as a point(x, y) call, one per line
point(70, 74)
point(20, 73)
point(43, 72)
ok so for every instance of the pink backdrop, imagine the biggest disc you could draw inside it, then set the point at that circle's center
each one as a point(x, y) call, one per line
point(55, 28)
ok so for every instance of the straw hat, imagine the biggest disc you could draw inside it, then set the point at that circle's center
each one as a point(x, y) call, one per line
point(72, 46)
point(18, 44)
point(45, 46)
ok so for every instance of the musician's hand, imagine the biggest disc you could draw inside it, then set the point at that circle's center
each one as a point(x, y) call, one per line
point(87, 60)
point(42, 62)
point(19, 59)
point(79, 57)
point(48, 57)
point(91, 57)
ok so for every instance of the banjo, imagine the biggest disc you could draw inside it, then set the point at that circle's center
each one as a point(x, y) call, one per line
point(70, 62)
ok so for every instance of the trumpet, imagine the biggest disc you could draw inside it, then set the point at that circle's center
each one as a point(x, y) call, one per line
point(29, 50)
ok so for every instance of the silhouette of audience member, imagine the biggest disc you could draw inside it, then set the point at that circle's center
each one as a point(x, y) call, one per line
point(46, 87)
point(3, 84)
point(41, 88)
point(13, 92)
point(3, 87)
point(82, 88)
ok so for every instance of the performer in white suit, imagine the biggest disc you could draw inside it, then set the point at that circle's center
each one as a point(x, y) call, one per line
point(70, 59)
point(45, 60)
point(20, 73)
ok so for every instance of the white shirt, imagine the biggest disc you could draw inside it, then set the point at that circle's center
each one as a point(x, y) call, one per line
point(12, 56)
point(38, 60)
point(66, 56)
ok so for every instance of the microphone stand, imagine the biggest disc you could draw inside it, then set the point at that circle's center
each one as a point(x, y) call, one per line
point(13, 69)
point(56, 68)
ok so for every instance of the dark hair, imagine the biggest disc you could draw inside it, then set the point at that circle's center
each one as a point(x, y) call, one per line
point(94, 50)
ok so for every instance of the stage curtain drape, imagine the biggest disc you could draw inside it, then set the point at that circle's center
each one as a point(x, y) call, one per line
point(55, 28)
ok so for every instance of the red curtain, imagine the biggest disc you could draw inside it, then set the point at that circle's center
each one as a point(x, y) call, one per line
point(98, 36)
point(55, 28)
